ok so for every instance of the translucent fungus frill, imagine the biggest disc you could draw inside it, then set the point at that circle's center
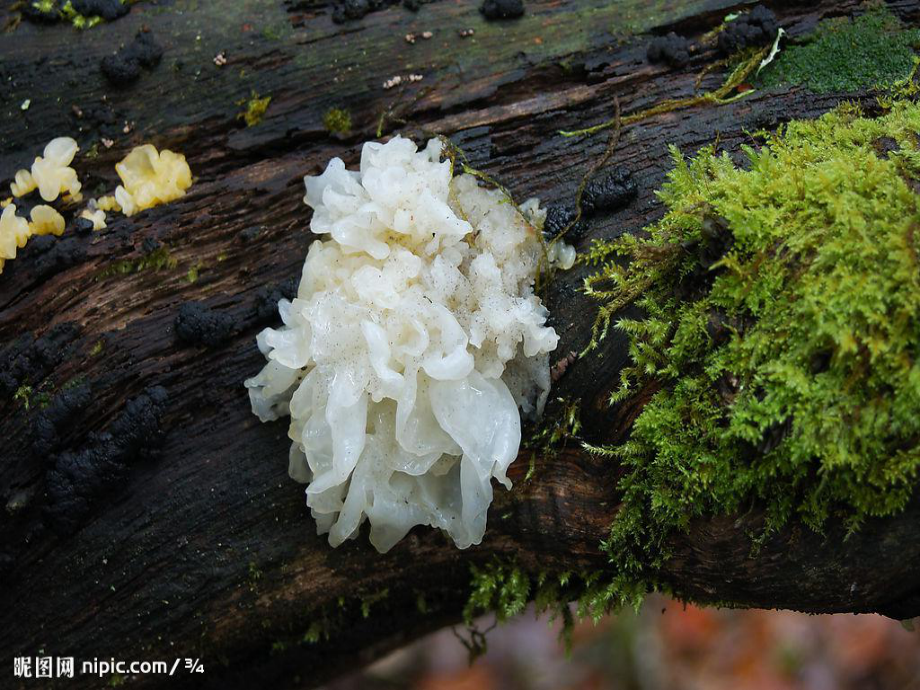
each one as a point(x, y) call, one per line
point(413, 345)
point(150, 178)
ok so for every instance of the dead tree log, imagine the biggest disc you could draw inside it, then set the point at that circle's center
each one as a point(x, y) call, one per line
point(203, 547)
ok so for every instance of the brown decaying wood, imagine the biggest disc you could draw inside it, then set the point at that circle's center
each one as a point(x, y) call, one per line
point(206, 549)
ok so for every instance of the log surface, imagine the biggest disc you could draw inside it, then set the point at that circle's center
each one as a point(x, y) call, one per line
point(203, 547)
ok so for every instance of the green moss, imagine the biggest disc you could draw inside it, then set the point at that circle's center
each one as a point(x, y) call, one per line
point(368, 601)
point(97, 348)
point(337, 121)
point(782, 334)
point(503, 588)
point(194, 272)
point(254, 110)
point(29, 397)
point(54, 11)
point(554, 432)
point(78, 20)
point(24, 395)
point(315, 633)
point(46, 7)
point(844, 54)
point(157, 260)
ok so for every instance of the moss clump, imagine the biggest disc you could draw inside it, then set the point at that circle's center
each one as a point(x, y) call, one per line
point(315, 633)
point(843, 54)
point(156, 260)
point(503, 588)
point(52, 11)
point(29, 397)
point(369, 600)
point(24, 395)
point(337, 121)
point(782, 334)
point(254, 110)
point(78, 20)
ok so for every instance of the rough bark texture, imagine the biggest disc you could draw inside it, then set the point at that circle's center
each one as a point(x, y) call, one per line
point(204, 547)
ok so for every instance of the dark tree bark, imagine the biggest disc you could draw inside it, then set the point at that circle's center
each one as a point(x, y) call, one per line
point(202, 546)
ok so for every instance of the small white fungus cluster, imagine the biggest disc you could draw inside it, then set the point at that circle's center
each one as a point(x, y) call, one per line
point(414, 338)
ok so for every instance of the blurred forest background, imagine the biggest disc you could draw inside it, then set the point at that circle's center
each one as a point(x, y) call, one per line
point(665, 646)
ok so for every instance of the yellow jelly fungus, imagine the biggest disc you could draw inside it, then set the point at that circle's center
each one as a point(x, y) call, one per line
point(97, 216)
point(51, 173)
point(107, 203)
point(46, 221)
point(150, 178)
point(14, 233)
point(23, 183)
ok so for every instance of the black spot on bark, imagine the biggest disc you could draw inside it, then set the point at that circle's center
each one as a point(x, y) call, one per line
point(101, 118)
point(350, 10)
point(268, 296)
point(672, 50)
point(80, 476)
point(502, 9)
point(29, 359)
point(51, 255)
point(109, 10)
point(150, 245)
point(756, 28)
point(123, 67)
point(198, 324)
point(52, 423)
point(558, 217)
point(609, 192)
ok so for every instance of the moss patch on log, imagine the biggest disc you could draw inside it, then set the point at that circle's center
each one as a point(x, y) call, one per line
point(254, 109)
point(843, 54)
point(337, 121)
point(782, 303)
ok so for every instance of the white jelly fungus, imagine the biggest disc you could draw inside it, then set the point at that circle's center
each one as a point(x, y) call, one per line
point(414, 339)
point(150, 178)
